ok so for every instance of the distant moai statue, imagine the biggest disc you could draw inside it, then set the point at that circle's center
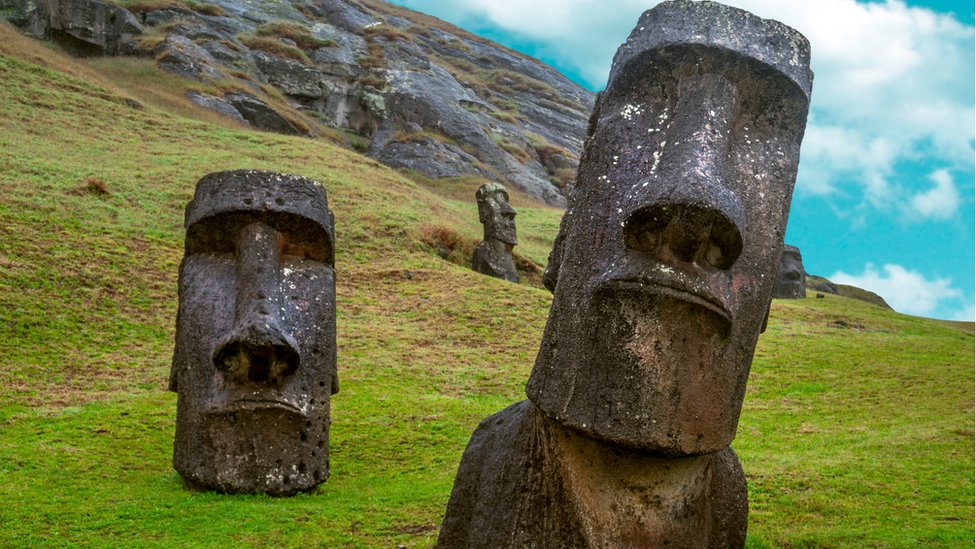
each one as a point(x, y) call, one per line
point(661, 277)
point(255, 357)
point(791, 278)
point(493, 256)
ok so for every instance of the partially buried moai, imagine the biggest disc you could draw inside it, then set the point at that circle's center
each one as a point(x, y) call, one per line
point(255, 357)
point(661, 277)
point(791, 278)
point(493, 256)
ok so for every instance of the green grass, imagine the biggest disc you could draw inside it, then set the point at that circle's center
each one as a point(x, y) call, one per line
point(854, 433)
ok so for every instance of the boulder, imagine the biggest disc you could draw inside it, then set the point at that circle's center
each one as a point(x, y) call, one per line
point(180, 55)
point(424, 154)
point(259, 114)
point(292, 77)
point(84, 27)
point(434, 100)
point(217, 104)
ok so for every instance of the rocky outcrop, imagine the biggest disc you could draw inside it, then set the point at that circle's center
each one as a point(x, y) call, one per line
point(83, 27)
point(821, 284)
point(429, 96)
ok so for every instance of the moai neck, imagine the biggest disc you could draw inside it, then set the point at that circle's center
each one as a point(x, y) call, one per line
point(623, 498)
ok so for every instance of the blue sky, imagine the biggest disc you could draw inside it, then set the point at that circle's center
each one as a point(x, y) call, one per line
point(885, 194)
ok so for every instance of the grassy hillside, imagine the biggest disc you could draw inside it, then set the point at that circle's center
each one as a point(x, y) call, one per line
point(857, 428)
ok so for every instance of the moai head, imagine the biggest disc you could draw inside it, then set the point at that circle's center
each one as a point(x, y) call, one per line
point(791, 279)
point(255, 357)
point(664, 264)
point(495, 214)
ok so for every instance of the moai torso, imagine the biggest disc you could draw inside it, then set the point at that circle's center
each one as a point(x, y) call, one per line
point(661, 277)
point(493, 256)
point(791, 278)
point(255, 358)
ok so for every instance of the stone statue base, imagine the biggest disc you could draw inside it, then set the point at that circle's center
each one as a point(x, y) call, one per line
point(494, 258)
point(526, 481)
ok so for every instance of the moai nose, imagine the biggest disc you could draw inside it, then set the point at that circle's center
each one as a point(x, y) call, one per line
point(257, 353)
point(257, 349)
point(506, 210)
point(689, 233)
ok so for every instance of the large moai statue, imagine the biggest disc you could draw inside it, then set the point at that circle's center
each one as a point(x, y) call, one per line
point(255, 357)
point(661, 277)
point(791, 278)
point(493, 256)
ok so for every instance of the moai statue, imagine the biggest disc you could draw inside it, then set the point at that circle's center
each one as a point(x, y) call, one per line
point(791, 278)
point(255, 357)
point(493, 256)
point(661, 277)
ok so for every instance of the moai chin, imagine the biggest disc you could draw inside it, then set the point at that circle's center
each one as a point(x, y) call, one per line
point(661, 277)
point(791, 278)
point(255, 358)
point(493, 256)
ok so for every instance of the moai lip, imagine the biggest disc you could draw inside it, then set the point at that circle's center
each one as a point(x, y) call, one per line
point(791, 278)
point(665, 261)
point(493, 256)
point(255, 357)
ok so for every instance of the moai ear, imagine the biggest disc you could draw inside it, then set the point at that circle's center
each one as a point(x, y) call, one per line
point(551, 275)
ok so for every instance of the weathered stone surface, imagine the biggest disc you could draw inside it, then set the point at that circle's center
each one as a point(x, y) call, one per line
point(437, 102)
point(180, 55)
point(423, 153)
point(348, 16)
point(217, 104)
point(16, 11)
point(255, 357)
point(493, 255)
point(259, 114)
point(84, 27)
point(292, 77)
point(661, 274)
point(791, 278)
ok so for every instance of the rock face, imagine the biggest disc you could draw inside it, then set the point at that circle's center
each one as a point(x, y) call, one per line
point(429, 96)
point(791, 278)
point(254, 364)
point(493, 256)
point(661, 278)
point(84, 27)
point(824, 285)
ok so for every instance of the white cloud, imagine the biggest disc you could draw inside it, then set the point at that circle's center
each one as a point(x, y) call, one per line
point(939, 202)
point(909, 291)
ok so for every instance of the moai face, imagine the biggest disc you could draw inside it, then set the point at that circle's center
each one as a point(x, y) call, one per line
point(255, 357)
point(496, 215)
point(791, 279)
point(664, 264)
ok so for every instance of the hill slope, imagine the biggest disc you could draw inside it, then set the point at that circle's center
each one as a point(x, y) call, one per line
point(411, 90)
point(856, 430)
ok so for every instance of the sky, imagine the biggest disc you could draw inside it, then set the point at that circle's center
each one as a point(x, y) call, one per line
point(884, 198)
